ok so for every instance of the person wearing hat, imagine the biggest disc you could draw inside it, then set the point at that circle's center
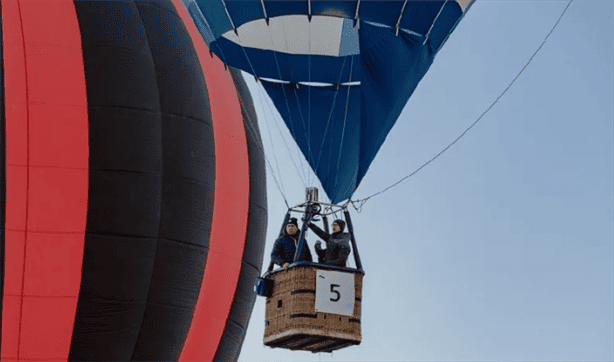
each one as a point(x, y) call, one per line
point(337, 244)
point(285, 246)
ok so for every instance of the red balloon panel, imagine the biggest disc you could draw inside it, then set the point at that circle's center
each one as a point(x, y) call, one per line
point(46, 177)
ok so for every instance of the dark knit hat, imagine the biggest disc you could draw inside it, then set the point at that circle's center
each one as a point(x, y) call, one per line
point(292, 221)
point(341, 224)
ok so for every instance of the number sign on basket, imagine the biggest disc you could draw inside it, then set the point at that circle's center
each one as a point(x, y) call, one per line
point(335, 292)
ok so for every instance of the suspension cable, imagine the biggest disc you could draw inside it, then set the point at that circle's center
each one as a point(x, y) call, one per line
point(283, 89)
point(284, 140)
point(330, 115)
point(280, 187)
point(295, 86)
point(310, 160)
point(309, 156)
point(426, 37)
point(361, 202)
point(276, 183)
point(256, 135)
point(399, 20)
point(276, 162)
point(283, 195)
point(300, 111)
point(345, 116)
point(260, 95)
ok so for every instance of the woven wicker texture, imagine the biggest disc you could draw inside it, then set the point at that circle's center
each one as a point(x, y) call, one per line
point(290, 311)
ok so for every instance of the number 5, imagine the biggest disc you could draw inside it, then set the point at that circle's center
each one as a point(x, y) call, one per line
point(332, 290)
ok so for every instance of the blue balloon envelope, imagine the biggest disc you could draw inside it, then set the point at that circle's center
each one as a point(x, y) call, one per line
point(338, 72)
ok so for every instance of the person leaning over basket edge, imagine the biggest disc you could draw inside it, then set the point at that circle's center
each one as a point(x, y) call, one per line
point(337, 244)
point(285, 246)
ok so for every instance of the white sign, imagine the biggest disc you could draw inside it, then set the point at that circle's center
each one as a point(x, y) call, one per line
point(335, 292)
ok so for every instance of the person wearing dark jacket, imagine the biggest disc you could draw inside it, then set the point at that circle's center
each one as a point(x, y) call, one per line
point(337, 244)
point(285, 246)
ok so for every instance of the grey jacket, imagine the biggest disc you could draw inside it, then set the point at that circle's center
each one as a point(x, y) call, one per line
point(337, 247)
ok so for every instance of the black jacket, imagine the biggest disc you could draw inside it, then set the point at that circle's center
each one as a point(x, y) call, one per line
point(337, 247)
point(285, 248)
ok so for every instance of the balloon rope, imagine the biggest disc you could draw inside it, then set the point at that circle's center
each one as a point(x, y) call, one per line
point(276, 183)
point(229, 17)
point(455, 24)
point(361, 202)
point(275, 179)
point(400, 16)
point(264, 12)
point(246, 56)
point(294, 87)
point(347, 102)
point(283, 139)
point(256, 135)
point(254, 132)
point(283, 89)
point(281, 189)
point(311, 178)
point(300, 111)
point(330, 115)
point(301, 176)
point(426, 37)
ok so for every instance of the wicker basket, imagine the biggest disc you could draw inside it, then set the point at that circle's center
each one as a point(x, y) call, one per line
point(291, 320)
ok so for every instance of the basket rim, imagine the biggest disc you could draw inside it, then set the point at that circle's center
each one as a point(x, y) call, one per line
point(317, 266)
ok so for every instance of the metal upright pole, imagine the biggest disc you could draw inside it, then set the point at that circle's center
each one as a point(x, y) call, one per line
point(325, 221)
point(354, 247)
point(301, 240)
point(311, 209)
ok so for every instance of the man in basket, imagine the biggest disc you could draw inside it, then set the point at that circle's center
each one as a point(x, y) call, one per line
point(337, 244)
point(285, 246)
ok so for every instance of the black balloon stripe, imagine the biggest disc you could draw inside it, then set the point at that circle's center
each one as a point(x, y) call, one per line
point(151, 182)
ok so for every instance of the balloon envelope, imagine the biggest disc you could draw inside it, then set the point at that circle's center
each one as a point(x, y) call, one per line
point(339, 72)
point(132, 185)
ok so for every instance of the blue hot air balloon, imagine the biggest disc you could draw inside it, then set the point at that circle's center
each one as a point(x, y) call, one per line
point(339, 72)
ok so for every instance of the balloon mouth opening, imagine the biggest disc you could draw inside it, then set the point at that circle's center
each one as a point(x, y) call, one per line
point(310, 84)
point(326, 35)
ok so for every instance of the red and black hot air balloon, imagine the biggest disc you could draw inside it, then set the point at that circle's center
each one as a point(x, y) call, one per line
point(132, 186)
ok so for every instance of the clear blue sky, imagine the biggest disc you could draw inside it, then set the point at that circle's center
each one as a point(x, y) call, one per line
point(502, 248)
